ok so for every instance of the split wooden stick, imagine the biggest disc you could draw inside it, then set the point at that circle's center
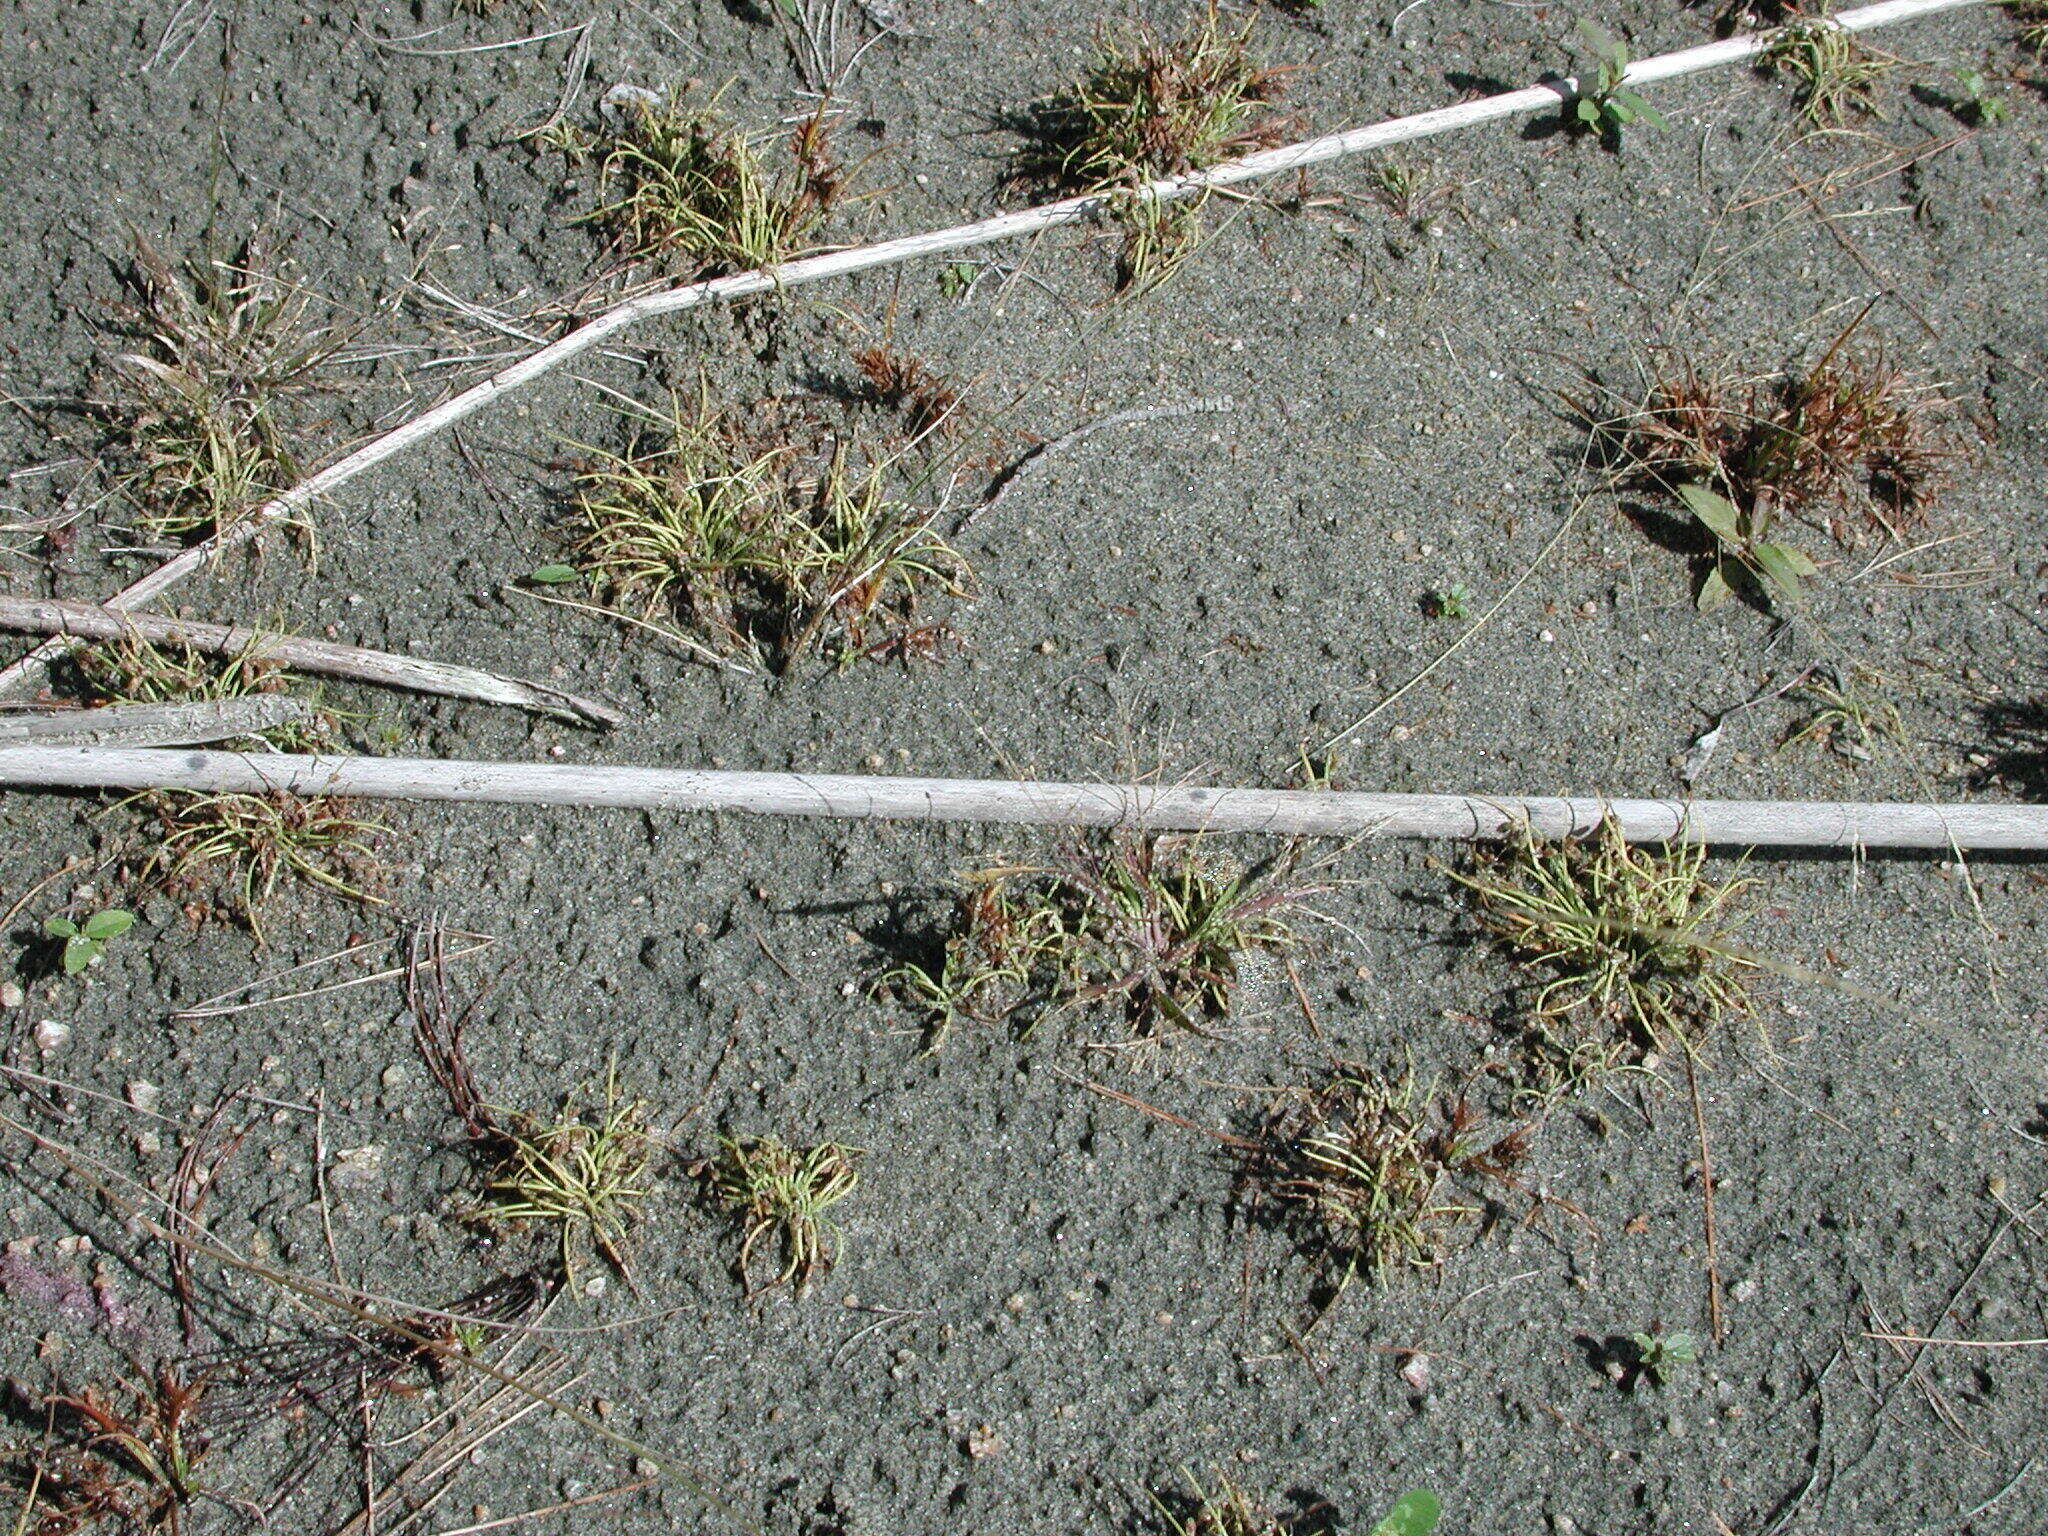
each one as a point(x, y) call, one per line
point(1008, 226)
point(1293, 812)
point(154, 725)
point(48, 616)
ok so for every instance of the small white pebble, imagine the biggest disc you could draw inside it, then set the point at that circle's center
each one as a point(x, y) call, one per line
point(1547, 637)
point(144, 1096)
point(51, 1036)
point(11, 995)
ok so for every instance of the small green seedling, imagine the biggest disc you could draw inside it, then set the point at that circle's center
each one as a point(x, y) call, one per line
point(555, 575)
point(1449, 602)
point(1977, 104)
point(956, 279)
point(85, 942)
point(1415, 1513)
point(1608, 105)
point(1741, 550)
point(1659, 1356)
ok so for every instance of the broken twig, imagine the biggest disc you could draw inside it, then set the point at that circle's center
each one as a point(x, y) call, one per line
point(47, 616)
point(154, 725)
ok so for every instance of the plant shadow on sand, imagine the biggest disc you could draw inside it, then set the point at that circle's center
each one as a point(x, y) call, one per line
point(2018, 747)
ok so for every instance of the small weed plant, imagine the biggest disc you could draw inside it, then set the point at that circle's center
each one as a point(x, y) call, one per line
point(1742, 555)
point(1848, 713)
point(1150, 925)
point(241, 847)
point(1449, 601)
point(1151, 107)
point(1976, 103)
point(1609, 105)
point(1834, 74)
point(1372, 1171)
point(1626, 942)
point(755, 544)
point(780, 1195)
point(581, 1174)
point(1415, 1513)
point(684, 189)
point(1658, 1357)
point(198, 409)
point(83, 943)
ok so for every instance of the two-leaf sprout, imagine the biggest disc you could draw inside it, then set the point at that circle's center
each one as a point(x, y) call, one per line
point(85, 942)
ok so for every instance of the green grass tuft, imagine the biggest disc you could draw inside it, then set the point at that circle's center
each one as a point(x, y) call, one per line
point(1628, 943)
point(1835, 75)
point(780, 1194)
point(196, 410)
point(684, 189)
point(582, 1173)
point(242, 847)
point(1151, 925)
point(1150, 107)
point(1369, 1169)
point(757, 545)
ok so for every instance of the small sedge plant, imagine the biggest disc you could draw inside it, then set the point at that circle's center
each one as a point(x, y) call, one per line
point(1370, 1169)
point(1150, 925)
point(2032, 19)
point(242, 847)
point(133, 670)
point(1151, 107)
point(755, 544)
point(198, 409)
point(582, 1174)
point(1625, 942)
point(136, 1465)
point(1849, 714)
point(780, 1195)
point(894, 380)
point(1834, 74)
point(1224, 1508)
point(682, 188)
point(1609, 104)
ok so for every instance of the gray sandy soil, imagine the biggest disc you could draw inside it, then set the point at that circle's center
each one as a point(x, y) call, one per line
point(1050, 1303)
